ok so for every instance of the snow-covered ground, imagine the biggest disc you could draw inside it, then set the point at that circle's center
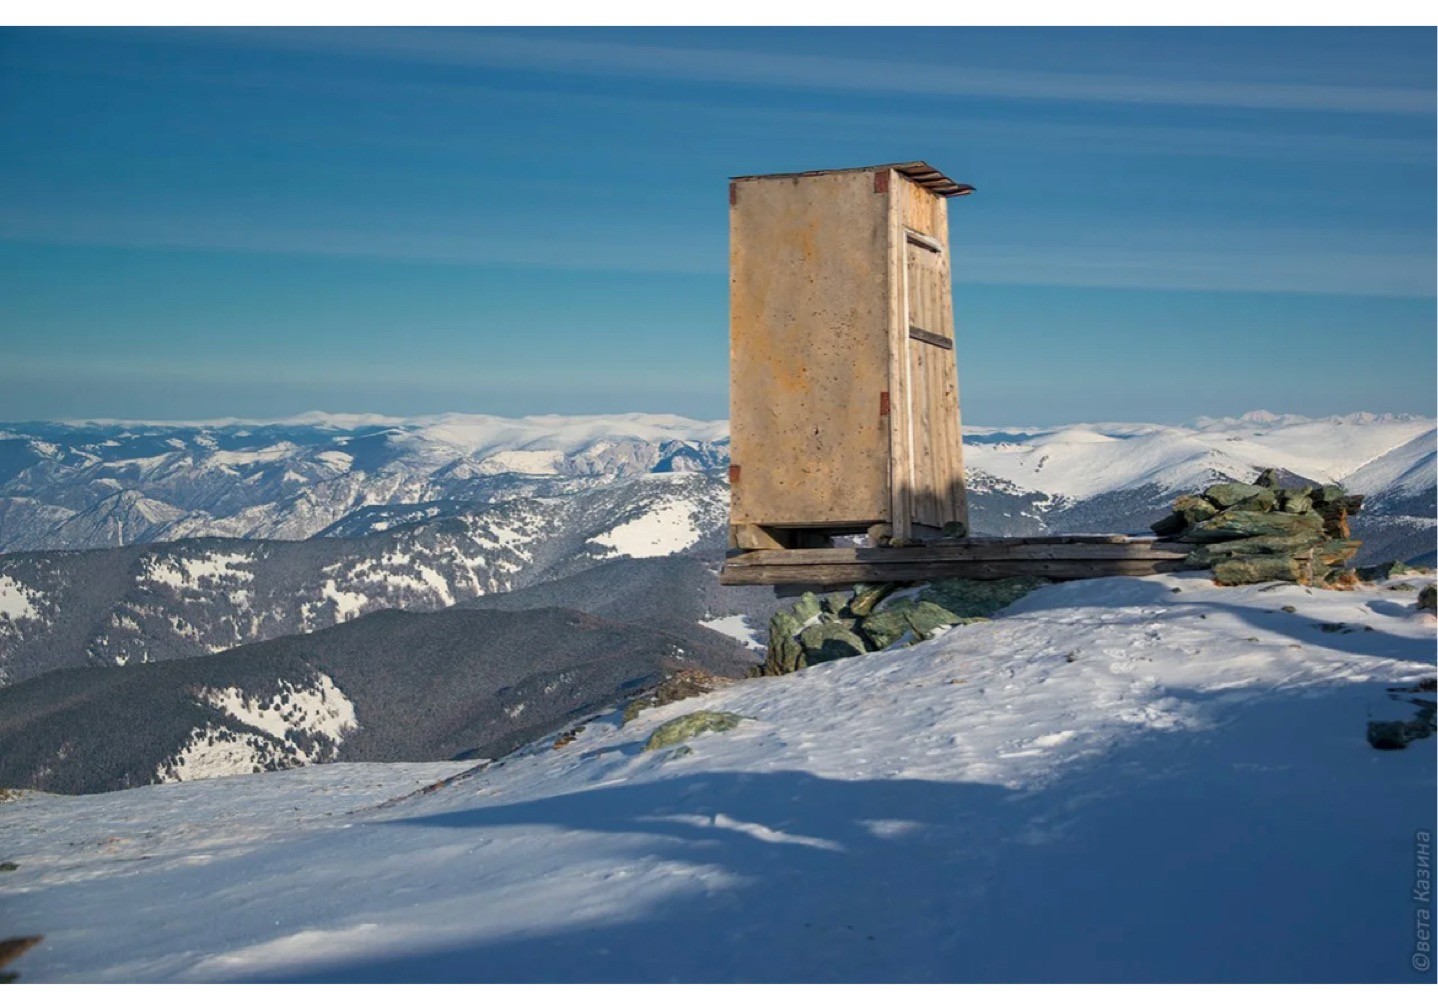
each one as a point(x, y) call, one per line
point(1129, 779)
point(736, 627)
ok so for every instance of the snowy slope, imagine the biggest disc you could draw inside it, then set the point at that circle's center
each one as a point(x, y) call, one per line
point(1083, 460)
point(1112, 781)
point(1406, 471)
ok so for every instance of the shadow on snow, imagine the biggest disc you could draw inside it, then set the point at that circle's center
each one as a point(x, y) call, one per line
point(1270, 848)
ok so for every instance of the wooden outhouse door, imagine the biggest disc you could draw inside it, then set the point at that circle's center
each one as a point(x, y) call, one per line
point(929, 484)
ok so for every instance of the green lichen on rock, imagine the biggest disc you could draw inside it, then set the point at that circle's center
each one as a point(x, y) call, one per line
point(925, 618)
point(785, 655)
point(868, 596)
point(1263, 501)
point(827, 641)
point(1259, 569)
point(1258, 545)
point(1225, 495)
point(806, 607)
point(1194, 509)
point(1232, 524)
point(886, 627)
point(686, 727)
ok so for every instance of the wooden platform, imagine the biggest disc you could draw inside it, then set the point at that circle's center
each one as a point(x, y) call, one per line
point(1058, 557)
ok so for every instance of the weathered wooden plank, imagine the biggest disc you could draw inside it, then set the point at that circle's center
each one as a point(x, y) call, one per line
point(928, 466)
point(951, 446)
point(899, 472)
point(1043, 540)
point(753, 536)
point(928, 337)
point(984, 552)
point(924, 241)
point(993, 569)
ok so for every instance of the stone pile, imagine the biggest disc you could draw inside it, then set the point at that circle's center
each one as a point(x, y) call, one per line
point(879, 616)
point(1253, 533)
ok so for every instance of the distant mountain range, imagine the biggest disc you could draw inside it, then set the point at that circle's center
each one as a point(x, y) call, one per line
point(263, 566)
point(99, 484)
point(165, 600)
point(92, 484)
point(494, 506)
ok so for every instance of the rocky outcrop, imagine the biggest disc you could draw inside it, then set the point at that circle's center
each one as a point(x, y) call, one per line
point(1397, 734)
point(877, 616)
point(685, 683)
point(686, 727)
point(1251, 533)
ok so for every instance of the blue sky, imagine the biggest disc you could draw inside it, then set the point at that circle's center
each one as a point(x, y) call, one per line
point(1168, 223)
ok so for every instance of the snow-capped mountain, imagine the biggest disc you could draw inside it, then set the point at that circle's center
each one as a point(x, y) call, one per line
point(430, 513)
point(95, 484)
point(1081, 461)
point(1114, 477)
point(164, 600)
point(99, 484)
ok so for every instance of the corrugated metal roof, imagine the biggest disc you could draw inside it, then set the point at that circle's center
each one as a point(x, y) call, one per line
point(917, 171)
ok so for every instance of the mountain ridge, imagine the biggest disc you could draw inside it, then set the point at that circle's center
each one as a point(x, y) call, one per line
point(90, 484)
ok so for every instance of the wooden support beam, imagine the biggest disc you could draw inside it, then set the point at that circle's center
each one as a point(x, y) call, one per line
point(753, 536)
point(1057, 557)
point(1002, 569)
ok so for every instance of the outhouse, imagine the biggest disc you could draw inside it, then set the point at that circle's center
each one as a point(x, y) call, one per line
point(844, 404)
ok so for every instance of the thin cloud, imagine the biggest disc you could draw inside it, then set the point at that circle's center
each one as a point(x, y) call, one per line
point(499, 248)
point(813, 72)
point(1383, 271)
point(1381, 275)
point(397, 97)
